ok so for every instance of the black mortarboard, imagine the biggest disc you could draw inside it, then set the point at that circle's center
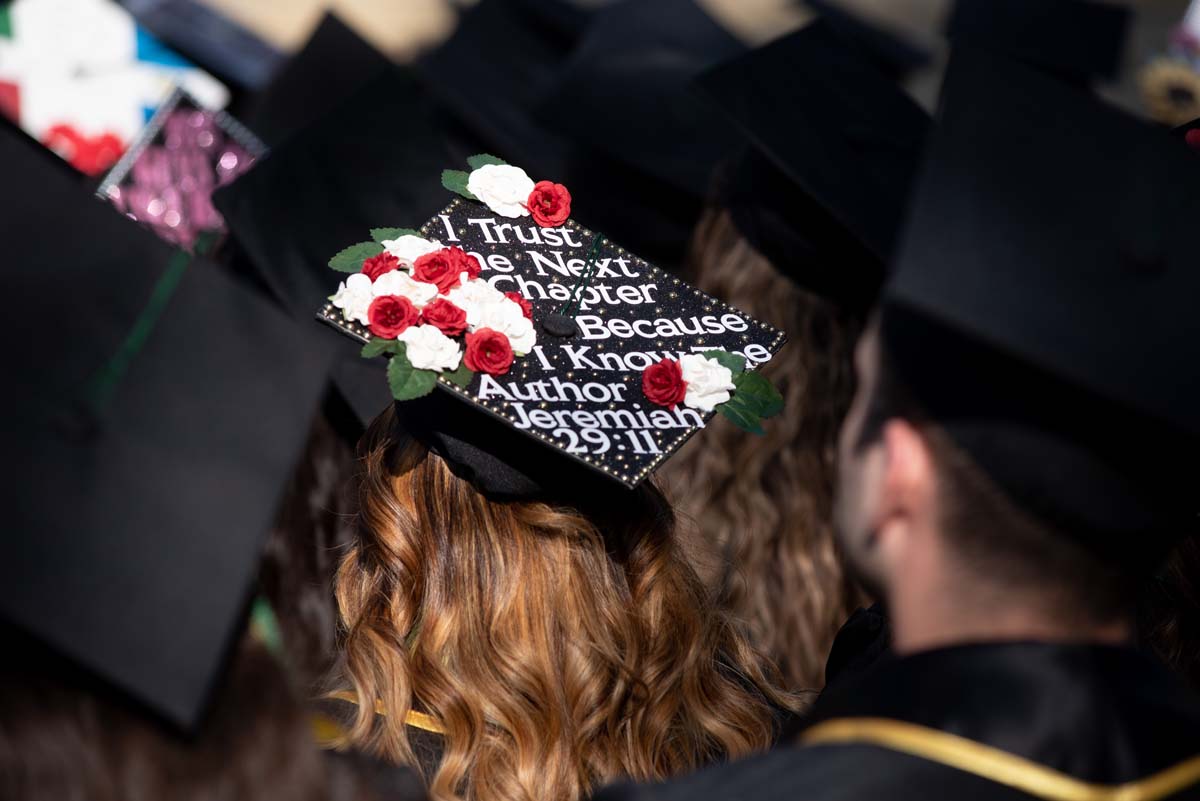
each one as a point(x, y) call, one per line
point(888, 51)
point(834, 145)
point(1076, 39)
point(1042, 302)
point(627, 91)
point(533, 392)
point(344, 174)
point(494, 69)
point(157, 406)
point(493, 74)
point(331, 66)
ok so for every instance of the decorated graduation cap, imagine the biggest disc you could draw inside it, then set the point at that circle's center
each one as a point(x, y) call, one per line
point(1080, 40)
point(157, 405)
point(1042, 303)
point(822, 189)
point(534, 354)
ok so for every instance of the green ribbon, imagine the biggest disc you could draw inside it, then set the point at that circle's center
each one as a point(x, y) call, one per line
point(584, 280)
point(103, 385)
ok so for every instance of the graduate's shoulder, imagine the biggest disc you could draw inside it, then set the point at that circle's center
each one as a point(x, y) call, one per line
point(818, 773)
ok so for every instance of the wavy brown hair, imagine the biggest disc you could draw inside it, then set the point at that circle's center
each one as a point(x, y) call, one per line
point(759, 510)
point(559, 650)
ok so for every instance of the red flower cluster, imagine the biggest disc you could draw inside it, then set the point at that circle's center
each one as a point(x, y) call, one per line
point(445, 316)
point(663, 383)
point(488, 351)
point(391, 315)
point(549, 204)
point(378, 265)
point(519, 299)
point(444, 268)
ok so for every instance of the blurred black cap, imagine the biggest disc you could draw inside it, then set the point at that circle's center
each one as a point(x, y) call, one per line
point(834, 146)
point(344, 174)
point(493, 74)
point(1042, 303)
point(890, 52)
point(627, 91)
point(158, 406)
point(1079, 40)
point(495, 68)
point(333, 63)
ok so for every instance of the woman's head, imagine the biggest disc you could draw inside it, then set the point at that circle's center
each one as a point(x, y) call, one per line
point(557, 648)
point(758, 510)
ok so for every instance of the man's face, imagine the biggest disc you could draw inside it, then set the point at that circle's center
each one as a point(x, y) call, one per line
point(861, 468)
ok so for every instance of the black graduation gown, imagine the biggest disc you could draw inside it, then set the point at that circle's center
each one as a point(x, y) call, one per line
point(998, 721)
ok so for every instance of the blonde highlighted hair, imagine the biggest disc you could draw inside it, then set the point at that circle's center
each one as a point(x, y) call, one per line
point(557, 649)
point(758, 511)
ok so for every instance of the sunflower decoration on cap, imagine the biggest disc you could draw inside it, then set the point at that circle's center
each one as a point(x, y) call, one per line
point(502, 300)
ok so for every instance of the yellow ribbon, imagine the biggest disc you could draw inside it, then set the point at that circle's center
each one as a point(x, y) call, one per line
point(996, 765)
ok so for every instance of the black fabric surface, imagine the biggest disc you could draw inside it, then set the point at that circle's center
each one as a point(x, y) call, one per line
point(327, 187)
point(823, 188)
point(1101, 714)
point(135, 522)
point(1079, 40)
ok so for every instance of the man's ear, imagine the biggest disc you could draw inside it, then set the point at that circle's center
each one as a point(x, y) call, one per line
point(909, 482)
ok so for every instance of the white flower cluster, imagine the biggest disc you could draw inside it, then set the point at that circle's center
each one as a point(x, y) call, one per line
point(427, 347)
point(502, 188)
point(709, 383)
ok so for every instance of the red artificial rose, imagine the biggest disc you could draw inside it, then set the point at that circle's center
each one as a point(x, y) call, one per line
point(549, 203)
point(378, 265)
point(464, 262)
point(488, 351)
point(445, 317)
point(390, 315)
point(1192, 137)
point(519, 299)
point(663, 383)
point(440, 268)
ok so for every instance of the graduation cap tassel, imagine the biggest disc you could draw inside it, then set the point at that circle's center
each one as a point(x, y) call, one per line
point(102, 386)
point(562, 322)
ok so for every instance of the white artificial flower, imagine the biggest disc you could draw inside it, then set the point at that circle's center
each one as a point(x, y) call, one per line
point(507, 317)
point(409, 248)
point(401, 283)
point(502, 188)
point(354, 297)
point(473, 297)
point(429, 349)
point(708, 382)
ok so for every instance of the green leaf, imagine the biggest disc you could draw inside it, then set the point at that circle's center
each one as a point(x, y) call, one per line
point(377, 346)
point(456, 181)
point(350, 260)
point(735, 363)
point(483, 159)
point(756, 393)
point(380, 234)
point(462, 376)
point(406, 381)
point(741, 417)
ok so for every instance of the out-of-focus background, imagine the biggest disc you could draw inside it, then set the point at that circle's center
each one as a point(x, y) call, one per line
point(405, 28)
